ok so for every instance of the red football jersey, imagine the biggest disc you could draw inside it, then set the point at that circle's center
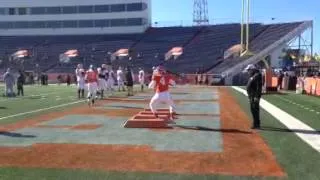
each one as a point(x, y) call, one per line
point(162, 82)
point(91, 77)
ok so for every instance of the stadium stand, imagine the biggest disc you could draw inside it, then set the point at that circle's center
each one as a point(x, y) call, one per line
point(265, 37)
point(203, 47)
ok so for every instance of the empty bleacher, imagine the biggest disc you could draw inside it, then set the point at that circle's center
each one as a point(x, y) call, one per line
point(203, 47)
point(265, 38)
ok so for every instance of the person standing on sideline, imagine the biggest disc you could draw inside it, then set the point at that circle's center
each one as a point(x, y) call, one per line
point(68, 80)
point(254, 90)
point(141, 78)
point(110, 79)
point(10, 82)
point(120, 79)
point(101, 81)
point(20, 83)
point(80, 75)
point(129, 81)
point(280, 78)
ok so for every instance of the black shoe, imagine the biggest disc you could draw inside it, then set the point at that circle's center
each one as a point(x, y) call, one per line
point(156, 115)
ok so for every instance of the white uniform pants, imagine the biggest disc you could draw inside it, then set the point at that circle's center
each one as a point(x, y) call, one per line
point(92, 90)
point(110, 83)
point(9, 89)
point(141, 81)
point(120, 83)
point(163, 97)
point(102, 84)
point(81, 84)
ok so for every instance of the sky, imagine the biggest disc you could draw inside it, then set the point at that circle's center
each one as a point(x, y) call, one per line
point(170, 12)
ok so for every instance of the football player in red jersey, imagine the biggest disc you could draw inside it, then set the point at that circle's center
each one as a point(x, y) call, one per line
point(160, 82)
point(92, 80)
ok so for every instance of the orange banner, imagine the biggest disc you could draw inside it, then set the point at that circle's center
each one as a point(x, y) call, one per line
point(318, 87)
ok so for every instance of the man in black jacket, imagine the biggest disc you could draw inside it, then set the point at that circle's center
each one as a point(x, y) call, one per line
point(20, 83)
point(129, 81)
point(254, 90)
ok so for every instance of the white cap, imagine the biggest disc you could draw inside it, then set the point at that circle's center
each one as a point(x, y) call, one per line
point(250, 67)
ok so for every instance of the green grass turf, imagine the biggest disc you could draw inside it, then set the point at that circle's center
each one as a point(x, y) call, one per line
point(54, 174)
point(39, 97)
point(298, 159)
point(310, 118)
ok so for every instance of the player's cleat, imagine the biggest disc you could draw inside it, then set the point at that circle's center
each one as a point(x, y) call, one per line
point(89, 102)
point(175, 114)
point(171, 122)
point(82, 93)
point(79, 91)
point(156, 115)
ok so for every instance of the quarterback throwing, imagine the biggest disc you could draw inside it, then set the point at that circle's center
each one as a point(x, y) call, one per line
point(160, 83)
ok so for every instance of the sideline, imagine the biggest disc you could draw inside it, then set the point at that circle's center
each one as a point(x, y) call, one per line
point(289, 121)
point(39, 110)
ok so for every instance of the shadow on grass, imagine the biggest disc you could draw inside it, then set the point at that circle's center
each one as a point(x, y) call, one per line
point(266, 128)
point(3, 107)
point(200, 128)
point(17, 135)
point(126, 107)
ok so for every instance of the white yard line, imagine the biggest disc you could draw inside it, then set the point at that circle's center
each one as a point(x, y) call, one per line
point(32, 95)
point(289, 121)
point(21, 97)
point(39, 110)
point(301, 106)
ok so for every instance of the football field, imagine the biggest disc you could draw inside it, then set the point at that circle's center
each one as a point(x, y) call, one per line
point(51, 134)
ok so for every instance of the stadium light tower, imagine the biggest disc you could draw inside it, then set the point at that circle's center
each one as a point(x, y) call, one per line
point(200, 12)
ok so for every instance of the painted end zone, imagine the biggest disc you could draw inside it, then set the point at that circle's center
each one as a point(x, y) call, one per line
point(213, 139)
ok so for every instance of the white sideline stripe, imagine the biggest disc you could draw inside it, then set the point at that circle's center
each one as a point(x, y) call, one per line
point(39, 110)
point(289, 121)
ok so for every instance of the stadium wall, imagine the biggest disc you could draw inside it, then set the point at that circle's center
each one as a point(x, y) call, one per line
point(74, 17)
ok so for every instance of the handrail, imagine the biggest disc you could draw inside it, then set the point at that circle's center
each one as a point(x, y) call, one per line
point(298, 30)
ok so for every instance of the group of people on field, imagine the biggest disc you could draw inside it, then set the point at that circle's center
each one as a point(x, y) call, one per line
point(11, 80)
point(101, 81)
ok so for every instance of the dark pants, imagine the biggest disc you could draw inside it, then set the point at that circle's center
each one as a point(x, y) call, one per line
point(130, 90)
point(20, 90)
point(255, 111)
point(280, 83)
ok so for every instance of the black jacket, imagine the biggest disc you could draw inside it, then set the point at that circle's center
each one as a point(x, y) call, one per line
point(254, 86)
point(129, 78)
point(21, 80)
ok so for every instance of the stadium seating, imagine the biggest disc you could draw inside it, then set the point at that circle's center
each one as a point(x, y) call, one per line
point(203, 47)
point(268, 35)
point(209, 46)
